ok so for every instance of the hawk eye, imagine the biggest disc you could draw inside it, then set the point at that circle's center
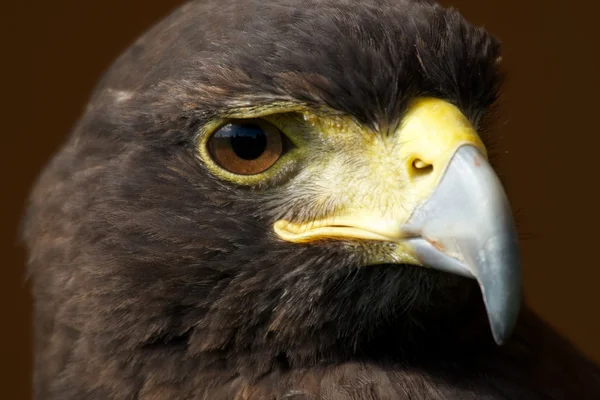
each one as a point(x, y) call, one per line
point(246, 147)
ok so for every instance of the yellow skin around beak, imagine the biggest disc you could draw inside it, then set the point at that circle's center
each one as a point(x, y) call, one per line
point(425, 193)
point(376, 181)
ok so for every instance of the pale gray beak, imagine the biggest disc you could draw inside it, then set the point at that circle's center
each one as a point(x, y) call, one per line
point(466, 227)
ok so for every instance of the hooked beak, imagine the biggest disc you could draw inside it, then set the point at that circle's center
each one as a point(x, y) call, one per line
point(466, 227)
point(461, 221)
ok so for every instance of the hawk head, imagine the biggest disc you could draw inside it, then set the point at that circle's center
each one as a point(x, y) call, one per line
point(264, 184)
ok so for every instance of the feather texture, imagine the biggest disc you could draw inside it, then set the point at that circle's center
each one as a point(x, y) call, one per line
point(153, 279)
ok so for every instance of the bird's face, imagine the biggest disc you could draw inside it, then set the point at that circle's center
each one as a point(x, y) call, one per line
point(280, 177)
point(421, 193)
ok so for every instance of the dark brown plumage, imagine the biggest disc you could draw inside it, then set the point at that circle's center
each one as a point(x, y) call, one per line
point(153, 279)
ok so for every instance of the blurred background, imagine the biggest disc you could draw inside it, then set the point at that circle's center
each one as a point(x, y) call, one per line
point(548, 137)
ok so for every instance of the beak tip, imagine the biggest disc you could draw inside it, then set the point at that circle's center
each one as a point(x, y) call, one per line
point(502, 321)
point(500, 332)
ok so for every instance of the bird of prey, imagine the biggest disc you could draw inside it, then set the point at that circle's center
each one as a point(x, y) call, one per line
point(289, 199)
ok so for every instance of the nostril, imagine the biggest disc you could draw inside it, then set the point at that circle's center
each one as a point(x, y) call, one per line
point(421, 168)
point(420, 164)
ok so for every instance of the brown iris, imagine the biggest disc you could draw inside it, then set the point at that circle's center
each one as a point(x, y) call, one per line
point(246, 147)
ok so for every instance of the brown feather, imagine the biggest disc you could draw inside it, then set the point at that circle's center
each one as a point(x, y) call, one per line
point(154, 280)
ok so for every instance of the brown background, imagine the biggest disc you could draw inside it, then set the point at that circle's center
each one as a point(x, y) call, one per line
point(54, 51)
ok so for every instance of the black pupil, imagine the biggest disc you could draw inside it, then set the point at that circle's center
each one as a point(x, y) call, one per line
point(248, 141)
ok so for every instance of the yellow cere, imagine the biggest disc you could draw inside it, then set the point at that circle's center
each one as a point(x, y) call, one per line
point(352, 183)
point(365, 185)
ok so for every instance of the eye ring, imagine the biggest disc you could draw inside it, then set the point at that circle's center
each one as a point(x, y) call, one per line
point(246, 147)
